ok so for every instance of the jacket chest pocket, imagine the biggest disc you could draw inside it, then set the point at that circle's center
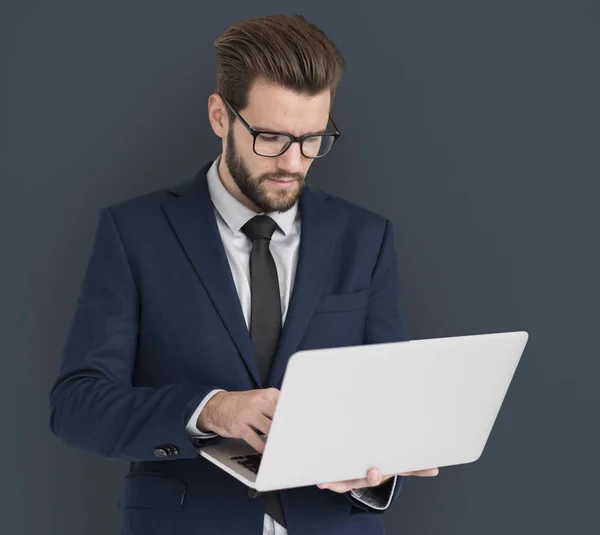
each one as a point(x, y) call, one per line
point(342, 302)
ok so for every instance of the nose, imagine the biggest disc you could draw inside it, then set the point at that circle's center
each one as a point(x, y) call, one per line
point(292, 159)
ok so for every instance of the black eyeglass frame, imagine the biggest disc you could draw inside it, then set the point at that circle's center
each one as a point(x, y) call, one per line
point(255, 133)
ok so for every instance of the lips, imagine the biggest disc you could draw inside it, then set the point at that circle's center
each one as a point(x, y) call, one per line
point(287, 184)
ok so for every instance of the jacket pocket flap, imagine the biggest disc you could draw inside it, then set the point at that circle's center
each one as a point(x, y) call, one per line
point(157, 491)
point(342, 302)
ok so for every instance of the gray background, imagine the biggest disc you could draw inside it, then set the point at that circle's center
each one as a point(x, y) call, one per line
point(473, 125)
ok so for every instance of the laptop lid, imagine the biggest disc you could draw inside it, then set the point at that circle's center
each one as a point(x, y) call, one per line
point(398, 407)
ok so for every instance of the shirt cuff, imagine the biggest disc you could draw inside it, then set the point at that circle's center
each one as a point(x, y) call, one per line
point(378, 497)
point(191, 427)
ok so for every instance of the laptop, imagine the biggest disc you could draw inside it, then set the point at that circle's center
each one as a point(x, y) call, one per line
point(398, 407)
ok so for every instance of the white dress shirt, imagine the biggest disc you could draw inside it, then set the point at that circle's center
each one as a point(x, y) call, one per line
point(231, 216)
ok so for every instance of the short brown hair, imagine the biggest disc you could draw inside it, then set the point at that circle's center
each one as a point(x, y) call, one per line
point(289, 52)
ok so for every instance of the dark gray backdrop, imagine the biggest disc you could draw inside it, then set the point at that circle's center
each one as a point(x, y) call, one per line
point(473, 125)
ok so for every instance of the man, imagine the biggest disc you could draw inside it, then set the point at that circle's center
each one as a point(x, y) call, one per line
point(196, 296)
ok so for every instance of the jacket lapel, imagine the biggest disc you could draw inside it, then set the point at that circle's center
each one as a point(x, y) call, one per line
point(320, 230)
point(191, 214)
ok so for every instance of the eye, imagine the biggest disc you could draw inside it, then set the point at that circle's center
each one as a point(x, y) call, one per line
point(272, 138)
point(313, 139)
point(270, 144)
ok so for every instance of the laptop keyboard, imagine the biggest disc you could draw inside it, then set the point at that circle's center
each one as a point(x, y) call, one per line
point(251, 462)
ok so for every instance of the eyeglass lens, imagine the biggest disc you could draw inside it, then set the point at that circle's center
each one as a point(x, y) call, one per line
point(312, 146)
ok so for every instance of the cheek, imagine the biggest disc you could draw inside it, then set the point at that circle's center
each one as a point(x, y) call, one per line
point(255, 164)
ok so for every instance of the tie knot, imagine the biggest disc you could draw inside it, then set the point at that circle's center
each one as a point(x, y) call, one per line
point(260, 226)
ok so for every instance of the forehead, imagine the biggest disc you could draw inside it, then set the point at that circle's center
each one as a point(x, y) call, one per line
point(275, 108)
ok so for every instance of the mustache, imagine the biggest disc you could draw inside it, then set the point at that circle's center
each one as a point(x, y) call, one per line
point(283, 174)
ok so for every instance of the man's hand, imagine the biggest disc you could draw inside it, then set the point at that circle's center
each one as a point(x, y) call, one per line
point(240, 415)
point(373, 479)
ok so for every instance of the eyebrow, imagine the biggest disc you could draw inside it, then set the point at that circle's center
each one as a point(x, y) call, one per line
point(272, 131)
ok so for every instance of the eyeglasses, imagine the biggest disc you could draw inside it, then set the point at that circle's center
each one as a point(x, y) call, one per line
point(272, 144)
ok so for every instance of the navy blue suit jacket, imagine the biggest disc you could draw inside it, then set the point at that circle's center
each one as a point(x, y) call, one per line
point(158, 325)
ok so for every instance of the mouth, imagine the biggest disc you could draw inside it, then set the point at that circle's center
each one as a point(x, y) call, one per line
point(287, 183)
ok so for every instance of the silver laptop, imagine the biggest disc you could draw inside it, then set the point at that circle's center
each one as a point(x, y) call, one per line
point(398, 407)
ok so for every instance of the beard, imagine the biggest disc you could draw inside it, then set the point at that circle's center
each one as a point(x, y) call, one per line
point(255, 188)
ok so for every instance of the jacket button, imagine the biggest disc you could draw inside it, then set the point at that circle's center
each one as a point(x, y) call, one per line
point(253, 493)
point(160, 453)
point(171, 450)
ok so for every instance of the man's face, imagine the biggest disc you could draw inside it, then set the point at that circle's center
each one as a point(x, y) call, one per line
point(278, 110)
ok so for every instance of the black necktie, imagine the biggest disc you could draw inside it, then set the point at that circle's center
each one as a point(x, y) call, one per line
point(265, 315)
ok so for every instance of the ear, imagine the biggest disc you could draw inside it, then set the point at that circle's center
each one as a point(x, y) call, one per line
point(217, 115)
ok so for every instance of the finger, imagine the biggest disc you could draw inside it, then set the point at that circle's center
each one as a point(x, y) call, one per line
point(261, 423)
point(274, 393)
point(269, 402)
point(431, 472)
point(345, 486)
point(337, 486)
point(252, 438)
point(374, 477)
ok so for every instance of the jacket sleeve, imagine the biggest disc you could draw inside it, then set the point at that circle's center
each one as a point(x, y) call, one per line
point(384, 323)
point(94, 406)
point(192, 427)
point(377, 499)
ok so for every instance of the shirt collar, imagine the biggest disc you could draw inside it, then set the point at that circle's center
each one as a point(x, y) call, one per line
point(234, 213)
